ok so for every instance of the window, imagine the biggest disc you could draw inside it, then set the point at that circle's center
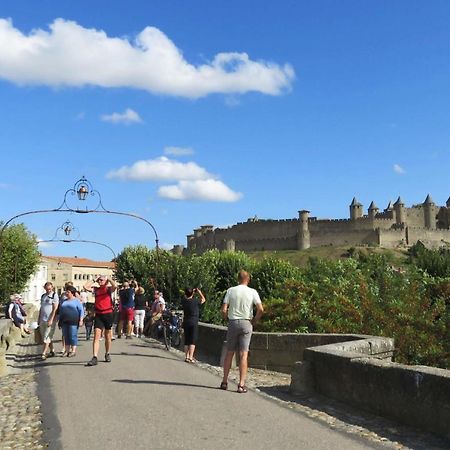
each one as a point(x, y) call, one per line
point(75, 277)
point(66, 277)
point(53, 276)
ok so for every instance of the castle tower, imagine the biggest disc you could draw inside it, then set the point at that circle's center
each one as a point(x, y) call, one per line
point(356, 209)
point(448, 203)
point(389, 207)
point(303, 234)
point(373, 210)
point(399, 208)
point(429, 209)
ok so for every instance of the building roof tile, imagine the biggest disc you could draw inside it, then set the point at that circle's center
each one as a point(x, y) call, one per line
point(82, 262)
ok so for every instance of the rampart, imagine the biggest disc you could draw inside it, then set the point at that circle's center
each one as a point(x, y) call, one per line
point(395, 226)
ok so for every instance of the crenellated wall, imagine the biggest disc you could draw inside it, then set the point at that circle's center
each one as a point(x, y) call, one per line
point(393, 227)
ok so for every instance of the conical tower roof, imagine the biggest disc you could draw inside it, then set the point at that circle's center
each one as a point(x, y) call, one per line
point(448, 203)
point(355, 202)
point(399, 201)
point(373, 207)
point(389, 207)
point(428, 200)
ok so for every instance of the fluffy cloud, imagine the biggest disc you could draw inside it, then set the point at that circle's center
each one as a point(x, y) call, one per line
point(200, 190)
point(178, 151)
point(399, 169)
point(160, 169)
point(127, 117)
point(70, 55)
point(193, 181)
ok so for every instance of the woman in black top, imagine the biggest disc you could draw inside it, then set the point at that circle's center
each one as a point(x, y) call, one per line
point(191, 308)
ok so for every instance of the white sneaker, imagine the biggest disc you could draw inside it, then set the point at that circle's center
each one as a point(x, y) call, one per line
point(101, 339)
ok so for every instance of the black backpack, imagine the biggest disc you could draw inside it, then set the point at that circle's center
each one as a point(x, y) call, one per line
point(7, 316)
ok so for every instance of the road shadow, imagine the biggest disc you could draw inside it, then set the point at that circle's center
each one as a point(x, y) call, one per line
point(393, 431)
point(145, 356)
point(165, 383)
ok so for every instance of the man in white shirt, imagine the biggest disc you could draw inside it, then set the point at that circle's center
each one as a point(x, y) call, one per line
point(47, 322)
point(237, 307)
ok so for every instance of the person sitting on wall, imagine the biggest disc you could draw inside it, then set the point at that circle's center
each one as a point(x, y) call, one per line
point(17, 313)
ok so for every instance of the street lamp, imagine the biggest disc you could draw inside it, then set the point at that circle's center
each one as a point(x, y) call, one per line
point(67, 227)
point(82, 187)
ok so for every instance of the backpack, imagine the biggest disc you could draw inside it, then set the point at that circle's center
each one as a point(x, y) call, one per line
point(7, 316)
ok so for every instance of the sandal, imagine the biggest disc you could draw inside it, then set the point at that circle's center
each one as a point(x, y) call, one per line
point(43, 357)
point(71, 354)
point(242, 389)
point(223, 386)
point(187, 360)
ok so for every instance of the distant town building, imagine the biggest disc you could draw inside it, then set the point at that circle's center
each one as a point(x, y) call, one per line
point(60, 269)
point(397, 225)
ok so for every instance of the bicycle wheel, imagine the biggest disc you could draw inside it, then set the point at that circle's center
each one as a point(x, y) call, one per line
point(176, 338)
point(167, 337)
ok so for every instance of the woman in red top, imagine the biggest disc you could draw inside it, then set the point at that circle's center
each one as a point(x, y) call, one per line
point(103, 290)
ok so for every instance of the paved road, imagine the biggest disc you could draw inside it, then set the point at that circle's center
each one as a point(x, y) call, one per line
point(150, 398)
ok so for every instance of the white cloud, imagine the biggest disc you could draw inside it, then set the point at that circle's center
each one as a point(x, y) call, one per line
point(178, 151)
point(399, 169)
point(200, 190)
point(127, 117)
point(160, 169)
point(70, 55)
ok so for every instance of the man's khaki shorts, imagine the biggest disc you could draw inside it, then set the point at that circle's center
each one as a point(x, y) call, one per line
point(239, 335)
point(47, 331)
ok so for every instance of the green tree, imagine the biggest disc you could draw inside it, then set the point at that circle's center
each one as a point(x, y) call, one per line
point(19, 259)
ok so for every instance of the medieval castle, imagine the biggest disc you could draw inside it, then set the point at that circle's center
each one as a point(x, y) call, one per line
point(395, 226)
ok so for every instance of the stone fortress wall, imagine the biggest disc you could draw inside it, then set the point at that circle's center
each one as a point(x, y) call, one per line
point(397, 225)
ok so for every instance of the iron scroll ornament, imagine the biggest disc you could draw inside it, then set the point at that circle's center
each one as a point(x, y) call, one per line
point(83, 190)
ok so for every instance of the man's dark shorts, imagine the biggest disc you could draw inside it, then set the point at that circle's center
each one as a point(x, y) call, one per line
point(103, 321)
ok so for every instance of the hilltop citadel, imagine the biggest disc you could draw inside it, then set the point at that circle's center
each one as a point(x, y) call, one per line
point(395, 226)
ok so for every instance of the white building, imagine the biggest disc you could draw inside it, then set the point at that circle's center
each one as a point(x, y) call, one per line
point(60, 270)
point(35, 286)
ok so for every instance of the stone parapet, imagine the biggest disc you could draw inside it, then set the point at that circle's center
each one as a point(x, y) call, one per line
point(357, 373)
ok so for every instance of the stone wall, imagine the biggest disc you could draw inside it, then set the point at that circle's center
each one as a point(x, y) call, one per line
point(9, 335)
point(355, 369)
point(269, 351)
point(415, 395)
point(392, 238)
point(431, 238)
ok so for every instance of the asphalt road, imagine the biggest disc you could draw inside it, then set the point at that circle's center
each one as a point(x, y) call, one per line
point(150, 398)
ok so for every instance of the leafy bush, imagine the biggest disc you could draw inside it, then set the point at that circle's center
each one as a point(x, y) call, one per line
point(363, 294)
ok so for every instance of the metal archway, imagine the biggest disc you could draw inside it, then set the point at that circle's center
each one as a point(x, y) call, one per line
point(84, 190)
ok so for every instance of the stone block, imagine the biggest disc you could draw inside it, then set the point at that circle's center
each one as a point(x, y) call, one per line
point(302, 381)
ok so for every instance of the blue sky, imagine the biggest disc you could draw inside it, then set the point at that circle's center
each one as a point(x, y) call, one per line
point(334, 99)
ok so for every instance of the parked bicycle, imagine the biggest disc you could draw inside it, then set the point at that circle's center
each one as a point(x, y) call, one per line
point(168, 327)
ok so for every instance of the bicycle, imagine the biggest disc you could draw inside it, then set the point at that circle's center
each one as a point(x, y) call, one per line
point(168, 327)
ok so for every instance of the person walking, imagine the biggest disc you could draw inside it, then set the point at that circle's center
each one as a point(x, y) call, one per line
point(47, 318)
point(71, 315)
point(140, 305)
point(103, 315)
point(237, 308)
point(191, 312)
point(126, 309)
